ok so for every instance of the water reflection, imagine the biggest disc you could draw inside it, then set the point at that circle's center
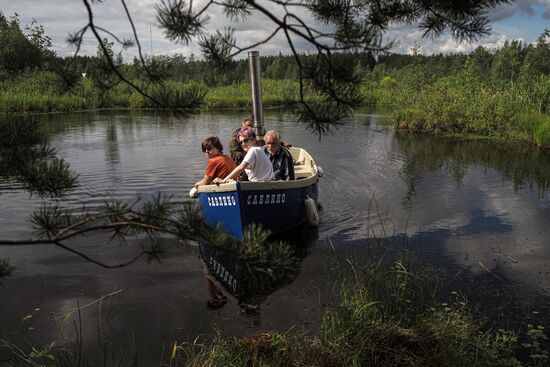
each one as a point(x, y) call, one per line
point(228, 276)
point(525, 166)
point(112, 153)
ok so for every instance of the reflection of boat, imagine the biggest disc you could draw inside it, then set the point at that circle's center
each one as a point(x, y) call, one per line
point(229, 274)
point(276, 205)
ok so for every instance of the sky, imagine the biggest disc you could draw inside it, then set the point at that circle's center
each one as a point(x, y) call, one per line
point(523, 20)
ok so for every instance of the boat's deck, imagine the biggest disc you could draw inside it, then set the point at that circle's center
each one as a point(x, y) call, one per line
point(304, 166)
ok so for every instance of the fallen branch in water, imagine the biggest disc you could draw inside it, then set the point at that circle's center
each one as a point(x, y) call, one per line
point(490, 272)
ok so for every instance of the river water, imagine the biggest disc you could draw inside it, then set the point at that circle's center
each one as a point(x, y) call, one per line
point(477, 209)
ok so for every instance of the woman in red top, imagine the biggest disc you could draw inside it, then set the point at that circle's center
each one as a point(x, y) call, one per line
point(219, 165)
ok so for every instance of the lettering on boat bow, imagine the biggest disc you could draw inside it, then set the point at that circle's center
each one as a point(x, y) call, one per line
point(265, 199)
point(221, 200)
point(223, 274)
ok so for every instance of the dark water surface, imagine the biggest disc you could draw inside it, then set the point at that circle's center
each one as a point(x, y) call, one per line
point(479, 210)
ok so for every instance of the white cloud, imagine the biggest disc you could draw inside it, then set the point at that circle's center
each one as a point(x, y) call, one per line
point(67, 16)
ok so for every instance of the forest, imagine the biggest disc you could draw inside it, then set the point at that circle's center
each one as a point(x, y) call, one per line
point(502, 93)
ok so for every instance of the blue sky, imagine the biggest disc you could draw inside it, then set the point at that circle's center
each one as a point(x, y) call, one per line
point(523, 19)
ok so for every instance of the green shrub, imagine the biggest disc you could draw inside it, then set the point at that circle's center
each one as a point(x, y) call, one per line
point(136, 100)
point(542, 133)
point(40, 82)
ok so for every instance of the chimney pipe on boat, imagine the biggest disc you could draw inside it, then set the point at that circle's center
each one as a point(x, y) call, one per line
point(254, 72)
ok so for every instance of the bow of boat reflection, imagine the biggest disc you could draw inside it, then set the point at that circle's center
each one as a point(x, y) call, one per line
point(231, 277)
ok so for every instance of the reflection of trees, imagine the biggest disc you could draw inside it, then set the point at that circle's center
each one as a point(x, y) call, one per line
point(112, 153)
point(523, 165)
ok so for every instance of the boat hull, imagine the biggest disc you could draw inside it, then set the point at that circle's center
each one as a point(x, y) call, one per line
point(275, 208)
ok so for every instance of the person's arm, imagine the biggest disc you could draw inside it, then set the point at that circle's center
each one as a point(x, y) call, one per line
point(234, 174)
point(206, 180)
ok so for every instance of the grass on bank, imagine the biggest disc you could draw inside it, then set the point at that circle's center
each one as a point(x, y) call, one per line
point(387, 313)
point(46, 92)
point(465, 103)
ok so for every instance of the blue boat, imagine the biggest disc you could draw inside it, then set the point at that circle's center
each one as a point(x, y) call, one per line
point(275, 205)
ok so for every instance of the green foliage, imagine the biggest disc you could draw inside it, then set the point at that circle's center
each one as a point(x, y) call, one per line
point(232, 96)
point(463, 103)
point(262, 263)
point(49, 220)
point(178, 95)
point(35, 83)
point(136, 101)
point(275, 93)
point(541, 132)
point(484, 93)
point(387, 314)
point(48, 177)
point(103, 75)
point(535, 339)
point(537, 89)
point(537, 55)
point(505, 94)
point(11, 103)
point(507, 62)
point(322, 116)
point(17, 53)
point(36, 357)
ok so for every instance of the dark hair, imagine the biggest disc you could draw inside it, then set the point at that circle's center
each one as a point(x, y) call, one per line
point(212, 141)
point(246, 120)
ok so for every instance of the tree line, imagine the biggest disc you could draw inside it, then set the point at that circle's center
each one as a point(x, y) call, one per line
point(503, 92)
